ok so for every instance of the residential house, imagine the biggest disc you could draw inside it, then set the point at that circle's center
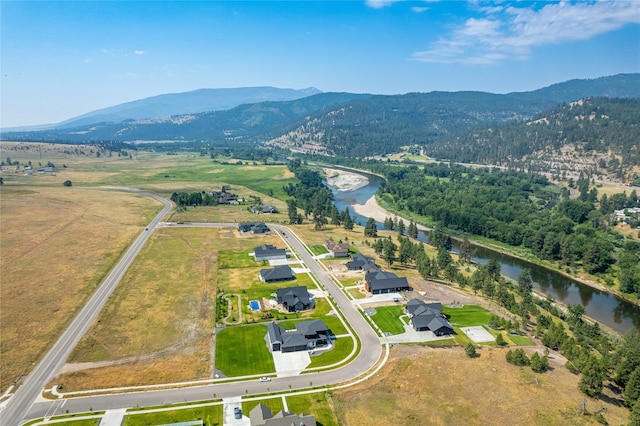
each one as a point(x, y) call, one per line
point(261, 415)
point(254, 227)
point(264, 209)
point(428, 317)
point(337, 249)
point(359, 262)
point(380, 282)
point(277, 273)
point(227, 198)
point(294, 299)
point(269, 252)
point(306, 336)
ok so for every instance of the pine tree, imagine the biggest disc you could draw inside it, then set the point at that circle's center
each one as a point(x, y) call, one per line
point(370, 229)
point(592, 375)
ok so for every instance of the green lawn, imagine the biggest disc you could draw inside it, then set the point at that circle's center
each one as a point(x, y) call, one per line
point(467, 316)
point(387, 319)
point(316, 404)
point(85, 422)
point(237, 259)
point(342, 347)
point(317, 249)
point(519, 340)
point(241, 351)
point(211, 414)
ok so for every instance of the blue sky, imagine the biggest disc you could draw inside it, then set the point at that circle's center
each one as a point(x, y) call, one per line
point(62, 59)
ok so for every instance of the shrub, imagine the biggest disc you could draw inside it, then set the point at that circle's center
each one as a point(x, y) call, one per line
point(517, 357)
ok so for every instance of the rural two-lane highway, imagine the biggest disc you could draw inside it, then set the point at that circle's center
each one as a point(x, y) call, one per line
point(18, 406)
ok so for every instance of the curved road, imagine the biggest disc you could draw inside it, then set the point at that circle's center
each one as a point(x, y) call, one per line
point(18, 406)
point(21, 406)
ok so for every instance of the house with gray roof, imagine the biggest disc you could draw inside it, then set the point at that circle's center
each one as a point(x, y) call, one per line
point(253, 227)
point(428, 317)
point(380, 282)
point(359, 262)
point(277, 273)
point(269, 252)
point(294, 299)
point(337, 249)
point(261, 415)
point(306, 336)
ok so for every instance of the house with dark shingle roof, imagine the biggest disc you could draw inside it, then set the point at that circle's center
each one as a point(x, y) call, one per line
point(428, 317)
point(277, 273)
point(359, 262)
point(306, 336)
point(254, 227)
point(337, 249)
point(269, 252)
point(261, 415)
point(380, 282)
point(294, 299)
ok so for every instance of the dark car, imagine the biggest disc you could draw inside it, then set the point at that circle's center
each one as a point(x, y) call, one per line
point(237, 413)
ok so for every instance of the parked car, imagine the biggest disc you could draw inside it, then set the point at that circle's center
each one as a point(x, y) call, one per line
point(265, 379)
point(237, 413)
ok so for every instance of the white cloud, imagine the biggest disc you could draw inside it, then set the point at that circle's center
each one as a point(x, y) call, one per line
point(379, 4)
point(419, 9)
point(511, 31)
point(138, 52)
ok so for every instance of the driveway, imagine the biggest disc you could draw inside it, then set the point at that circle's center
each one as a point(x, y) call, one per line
point(412, 336)
point(290, 363)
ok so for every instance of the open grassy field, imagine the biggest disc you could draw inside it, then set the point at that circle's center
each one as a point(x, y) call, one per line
point(424, 386)
point(57, 245)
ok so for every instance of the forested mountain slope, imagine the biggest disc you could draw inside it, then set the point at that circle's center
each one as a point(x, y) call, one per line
point(604, 130)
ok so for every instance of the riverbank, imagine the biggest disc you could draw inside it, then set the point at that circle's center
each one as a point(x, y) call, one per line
point(372, 209)
point(345, 181)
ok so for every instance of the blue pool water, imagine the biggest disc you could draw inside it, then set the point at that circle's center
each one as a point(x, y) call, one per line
point(254, 305)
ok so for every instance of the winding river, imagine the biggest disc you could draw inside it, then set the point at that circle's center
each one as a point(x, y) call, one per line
point(605, 308)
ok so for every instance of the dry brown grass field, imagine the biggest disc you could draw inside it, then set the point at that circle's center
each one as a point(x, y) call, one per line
point(57, 245)
point(158, 326)
point(424, 386)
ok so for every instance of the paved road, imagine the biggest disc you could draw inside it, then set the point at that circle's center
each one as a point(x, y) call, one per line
point(18, 406)
point(366, 359)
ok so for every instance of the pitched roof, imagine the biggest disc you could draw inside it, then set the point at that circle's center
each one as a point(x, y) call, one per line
point(312, 327)
point(427, 315)
point(359, 261)
point(293, 295)
point(381, 280)
point(262, 415)
point(268, 250)
point(277, 273)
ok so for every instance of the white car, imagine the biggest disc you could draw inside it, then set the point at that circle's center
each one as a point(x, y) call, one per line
point(265, 379)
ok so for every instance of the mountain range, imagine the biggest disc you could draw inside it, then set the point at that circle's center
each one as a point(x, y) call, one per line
point(450, 125)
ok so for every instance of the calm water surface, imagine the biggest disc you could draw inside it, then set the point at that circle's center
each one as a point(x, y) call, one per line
point(603, 307)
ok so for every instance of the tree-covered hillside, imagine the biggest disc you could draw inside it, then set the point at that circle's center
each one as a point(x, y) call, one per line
point(609, 127)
